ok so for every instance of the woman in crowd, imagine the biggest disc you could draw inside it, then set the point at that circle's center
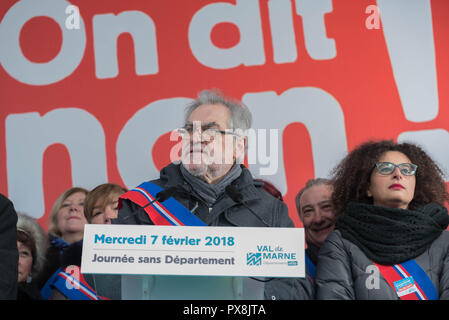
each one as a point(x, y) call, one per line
point(32, 244)
point(100, 207)
point(102, 203)
point(67, 222)
point(390, 242)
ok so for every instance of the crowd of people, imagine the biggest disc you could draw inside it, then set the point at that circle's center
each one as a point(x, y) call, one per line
point(376, 229)
point(32, 262)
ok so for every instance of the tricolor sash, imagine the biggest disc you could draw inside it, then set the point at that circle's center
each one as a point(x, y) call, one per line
point(310, 267)
point(409, 281)
point(169, 213)
point(71, 283)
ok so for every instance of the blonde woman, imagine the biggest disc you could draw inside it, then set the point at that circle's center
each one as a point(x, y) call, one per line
point(100, 207)
point(67, 222)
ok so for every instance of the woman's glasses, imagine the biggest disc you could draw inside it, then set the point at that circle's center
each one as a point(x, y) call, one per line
point(387, 168)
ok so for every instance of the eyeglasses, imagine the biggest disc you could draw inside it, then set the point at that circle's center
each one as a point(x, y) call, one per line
point(206, 132)
point(387, 168)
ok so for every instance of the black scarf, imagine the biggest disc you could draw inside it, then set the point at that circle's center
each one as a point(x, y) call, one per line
point(389, 235)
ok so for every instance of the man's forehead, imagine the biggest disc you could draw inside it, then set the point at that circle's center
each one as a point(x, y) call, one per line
point(316, 194)
point(208, 113)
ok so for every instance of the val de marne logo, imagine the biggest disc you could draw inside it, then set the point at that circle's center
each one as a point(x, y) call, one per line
point(254, 259)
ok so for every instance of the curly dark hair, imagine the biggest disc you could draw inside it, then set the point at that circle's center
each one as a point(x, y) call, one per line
point(352, 175)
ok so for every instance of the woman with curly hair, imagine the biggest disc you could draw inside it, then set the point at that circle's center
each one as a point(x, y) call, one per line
point(390, 242)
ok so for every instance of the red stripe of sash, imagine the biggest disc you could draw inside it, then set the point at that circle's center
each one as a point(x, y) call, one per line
point(392, 276)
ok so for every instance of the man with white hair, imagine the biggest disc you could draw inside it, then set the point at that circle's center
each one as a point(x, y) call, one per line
point(213, 148)
point(211, 182)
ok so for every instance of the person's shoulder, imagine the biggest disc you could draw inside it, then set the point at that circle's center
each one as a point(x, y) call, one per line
point(442, 240)
point(334, 236)
point(445, 234)
point(336, 239)
point(268, 199)
point(170, 171)
point(7, 211)
point(259, 185)
point(4, 202)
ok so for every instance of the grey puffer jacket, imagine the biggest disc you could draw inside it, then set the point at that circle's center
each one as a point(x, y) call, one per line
point(265, 211)
point(345, 272)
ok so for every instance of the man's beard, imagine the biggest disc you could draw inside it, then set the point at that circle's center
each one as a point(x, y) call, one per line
point(197, 170)
point(203, 162)
point(211, 170)
point(204, 168)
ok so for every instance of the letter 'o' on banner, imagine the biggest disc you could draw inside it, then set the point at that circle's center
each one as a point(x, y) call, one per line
point(22, 69)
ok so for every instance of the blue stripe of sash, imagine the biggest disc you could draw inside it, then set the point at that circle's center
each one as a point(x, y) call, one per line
point(71, 293)
point(60, 283)
point(178, 210)
point(46, 290)
point(421, 278)
point(310, 267)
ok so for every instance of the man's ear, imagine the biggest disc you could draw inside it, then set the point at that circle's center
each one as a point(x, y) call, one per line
point(239, 149)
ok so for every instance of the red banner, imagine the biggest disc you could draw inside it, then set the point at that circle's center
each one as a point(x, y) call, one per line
point(90, 90)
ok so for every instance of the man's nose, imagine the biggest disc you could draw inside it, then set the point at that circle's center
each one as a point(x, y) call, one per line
point(318, 216)
point(197, 133)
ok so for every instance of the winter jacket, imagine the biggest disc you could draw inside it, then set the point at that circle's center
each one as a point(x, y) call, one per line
point(28, 291)
point(52, 260)
point(9, 255)
point(265, 211)
point(345, 272)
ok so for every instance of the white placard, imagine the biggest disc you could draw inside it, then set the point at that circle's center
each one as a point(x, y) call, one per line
point(211, 251)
